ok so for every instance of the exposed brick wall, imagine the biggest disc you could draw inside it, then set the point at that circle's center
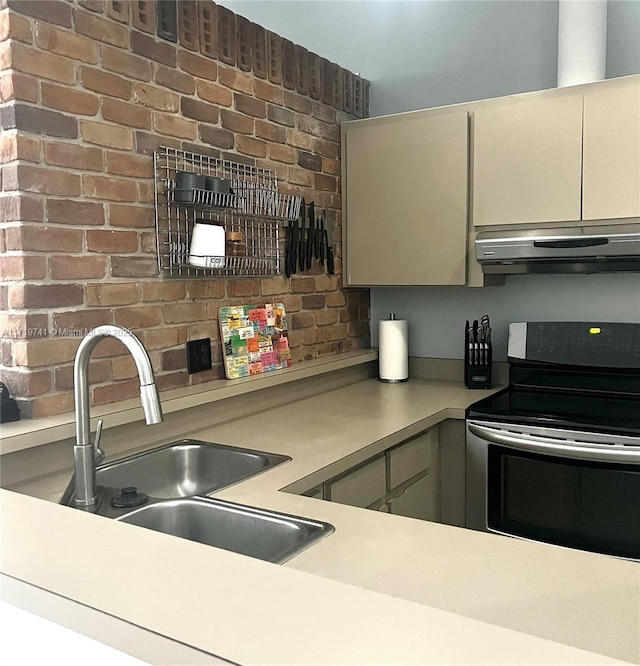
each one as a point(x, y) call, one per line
point(87, 91)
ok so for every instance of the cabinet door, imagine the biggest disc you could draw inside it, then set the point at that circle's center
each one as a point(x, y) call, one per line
point(316, 493)
point(612, 149)
point(417, 501)
point(405, 200)
point(361, 487)
point(409, 459)
point(527, 160)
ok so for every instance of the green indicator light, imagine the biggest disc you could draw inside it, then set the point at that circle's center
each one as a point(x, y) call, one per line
point(594, 330)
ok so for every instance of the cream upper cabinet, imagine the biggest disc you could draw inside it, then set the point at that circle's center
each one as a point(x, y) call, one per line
point(405, 199)
point(527, 160)
point(413, 202)
point(612, 149)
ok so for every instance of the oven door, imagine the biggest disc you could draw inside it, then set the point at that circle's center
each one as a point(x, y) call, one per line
point(574, 489)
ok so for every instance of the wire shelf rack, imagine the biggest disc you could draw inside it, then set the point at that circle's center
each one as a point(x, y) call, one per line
point(253, 210)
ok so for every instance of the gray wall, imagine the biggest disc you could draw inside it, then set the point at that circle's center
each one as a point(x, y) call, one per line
point(436, 315)
point(423, 54)
point(437, 52)
point(623, 38)
point(420, 54)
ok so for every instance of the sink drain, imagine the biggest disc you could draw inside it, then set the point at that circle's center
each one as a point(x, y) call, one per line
point(129, 497)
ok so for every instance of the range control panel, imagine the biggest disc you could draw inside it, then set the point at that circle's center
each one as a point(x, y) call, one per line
point(595, 344)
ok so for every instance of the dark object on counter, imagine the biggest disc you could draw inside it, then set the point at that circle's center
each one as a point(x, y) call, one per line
point(478, 353)
point(9, 410)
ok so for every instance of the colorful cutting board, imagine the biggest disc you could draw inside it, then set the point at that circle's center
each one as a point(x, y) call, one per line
point(254, 339)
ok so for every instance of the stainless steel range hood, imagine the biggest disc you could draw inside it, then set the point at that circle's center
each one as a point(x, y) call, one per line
point(572, 250)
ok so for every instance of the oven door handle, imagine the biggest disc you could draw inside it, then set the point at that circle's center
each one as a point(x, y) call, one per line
point(577, 450)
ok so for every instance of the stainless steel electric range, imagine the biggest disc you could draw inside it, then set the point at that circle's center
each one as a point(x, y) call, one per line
point(555, 457)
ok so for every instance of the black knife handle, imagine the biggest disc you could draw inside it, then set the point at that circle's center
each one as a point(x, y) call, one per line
point(287, 251)
point(309, 248)
point(323, 236)
point(330, 266)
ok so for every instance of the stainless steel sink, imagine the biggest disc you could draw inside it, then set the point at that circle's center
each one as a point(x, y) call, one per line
point(170, 481)
point(266, 535)
point(182, 469)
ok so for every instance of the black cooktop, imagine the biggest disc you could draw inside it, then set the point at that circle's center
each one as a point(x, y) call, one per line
point(578, 375)
point(584, 399)
point(598, 413)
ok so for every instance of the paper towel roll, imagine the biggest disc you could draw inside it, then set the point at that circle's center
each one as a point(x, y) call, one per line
point(393, 351)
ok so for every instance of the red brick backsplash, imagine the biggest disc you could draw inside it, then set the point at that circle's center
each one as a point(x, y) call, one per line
point(88, 90)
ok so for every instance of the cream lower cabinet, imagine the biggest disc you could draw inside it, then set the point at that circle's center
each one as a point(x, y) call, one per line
point(611, 168)
point(412, 478)
point(405, 199)
point(402, 481)
point(315, 493)
point(416, 501)
point(364, 486)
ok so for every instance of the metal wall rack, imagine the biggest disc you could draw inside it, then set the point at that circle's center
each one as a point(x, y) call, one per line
point(254, 207)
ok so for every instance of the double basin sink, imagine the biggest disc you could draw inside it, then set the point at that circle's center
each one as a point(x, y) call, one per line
point(176, 479)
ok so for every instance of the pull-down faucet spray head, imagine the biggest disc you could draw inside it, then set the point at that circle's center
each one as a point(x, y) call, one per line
point(85, 453)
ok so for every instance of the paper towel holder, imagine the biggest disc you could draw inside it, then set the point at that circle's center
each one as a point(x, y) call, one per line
point(403, 372)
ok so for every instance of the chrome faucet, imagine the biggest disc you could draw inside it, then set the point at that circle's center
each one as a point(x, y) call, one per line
point(85, 454)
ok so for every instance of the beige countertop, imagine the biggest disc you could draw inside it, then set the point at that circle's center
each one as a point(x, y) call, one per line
point(381, 589)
